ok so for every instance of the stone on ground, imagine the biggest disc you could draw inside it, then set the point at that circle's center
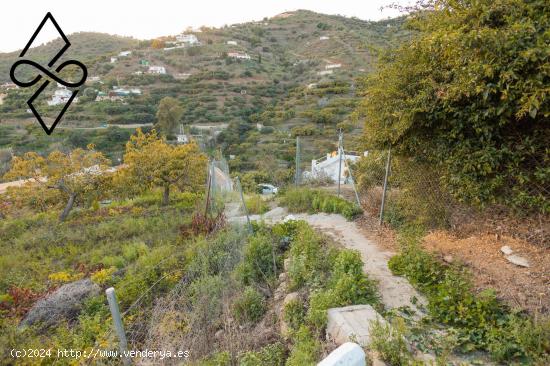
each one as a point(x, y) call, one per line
point(506, 250)
point(352, 323)
point(517, 260)
point(63, 304)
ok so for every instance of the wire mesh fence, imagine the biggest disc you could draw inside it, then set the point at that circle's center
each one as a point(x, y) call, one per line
point(400, 189)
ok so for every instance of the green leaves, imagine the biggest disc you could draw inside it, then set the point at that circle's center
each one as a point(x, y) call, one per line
point(471, 86)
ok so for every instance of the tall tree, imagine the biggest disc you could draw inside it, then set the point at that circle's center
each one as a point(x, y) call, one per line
point(168, 115)
point(74, 175)
point(150, 162)
point(469, 95)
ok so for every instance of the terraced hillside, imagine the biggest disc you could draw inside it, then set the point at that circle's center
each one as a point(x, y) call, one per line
point(299, 80)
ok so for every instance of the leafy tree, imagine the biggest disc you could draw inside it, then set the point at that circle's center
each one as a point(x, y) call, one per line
point(150, 162)
point(75, 174)
point(158, 44)
point(469, 95)
point(168, 115)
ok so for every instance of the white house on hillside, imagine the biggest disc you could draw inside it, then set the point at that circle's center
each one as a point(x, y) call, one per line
point(188, 39)
point(156, 70)
point(238, 55)
point(328, 166)
point(61, 96)
point(324, 72)
point(125, 53)
point(232, 43)
point(333, 66)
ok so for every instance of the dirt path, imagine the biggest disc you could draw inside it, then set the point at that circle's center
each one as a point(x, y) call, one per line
point(395, 291)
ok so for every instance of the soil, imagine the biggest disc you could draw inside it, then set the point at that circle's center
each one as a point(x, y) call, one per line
point(519, 287)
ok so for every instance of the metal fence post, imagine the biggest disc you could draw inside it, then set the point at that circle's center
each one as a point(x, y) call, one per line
point(340, 135)
point(119, 327)
point(385, 187)
point(352, 180)
point(297, 177)
point(244, 205)
point(208, 190)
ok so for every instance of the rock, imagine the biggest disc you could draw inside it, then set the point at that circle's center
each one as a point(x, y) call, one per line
point(348, 354)
point(506, 250)
point(63, 304)
point(282, 277)
point(517, 260)
point(289, 218)
point(448, 258)
point(285, 329)
point(291, 297)
point(218, 335)
point(375, 359)
point(286, 264)
point(351, 323)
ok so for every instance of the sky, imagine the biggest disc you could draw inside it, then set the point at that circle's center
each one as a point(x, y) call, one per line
point(150, 19)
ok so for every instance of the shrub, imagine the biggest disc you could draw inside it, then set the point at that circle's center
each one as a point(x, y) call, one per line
point(305, 350)
point(250, 306)
point(315, 200)
point(270, 355)
point(307, 258)
point(294, 313)
point(482, 321)
point(256, 205)
point(389, 342)
point(258, 262)
point(348, 285)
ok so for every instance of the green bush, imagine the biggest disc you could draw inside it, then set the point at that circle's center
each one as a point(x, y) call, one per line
point(315, 200)
point(257, 265)
point(389, 341)
point(305, 350)
point(468, 94)
point(308, 265)
point(250, 306)
point(294, 313)
point(348, 285)
point(256, 205)
point(482, 321)
point(270, 355)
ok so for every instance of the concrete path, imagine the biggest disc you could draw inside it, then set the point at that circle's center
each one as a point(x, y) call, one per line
point(395, 291)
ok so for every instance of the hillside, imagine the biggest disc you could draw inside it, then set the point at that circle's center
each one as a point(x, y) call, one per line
point(86, 47)
point(284, 85)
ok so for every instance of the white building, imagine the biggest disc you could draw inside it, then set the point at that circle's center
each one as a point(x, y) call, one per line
point(61, 96)
point(232, 43)
point(328, 166)
point(333, 66)
point(114, 59)
point(238, 55)
point(157, 70)
point(182, 137)
point(188, 39)
point(93, 79)
point(125, 53)
point(324, 72)
point(182, 75)
point(324, 38)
